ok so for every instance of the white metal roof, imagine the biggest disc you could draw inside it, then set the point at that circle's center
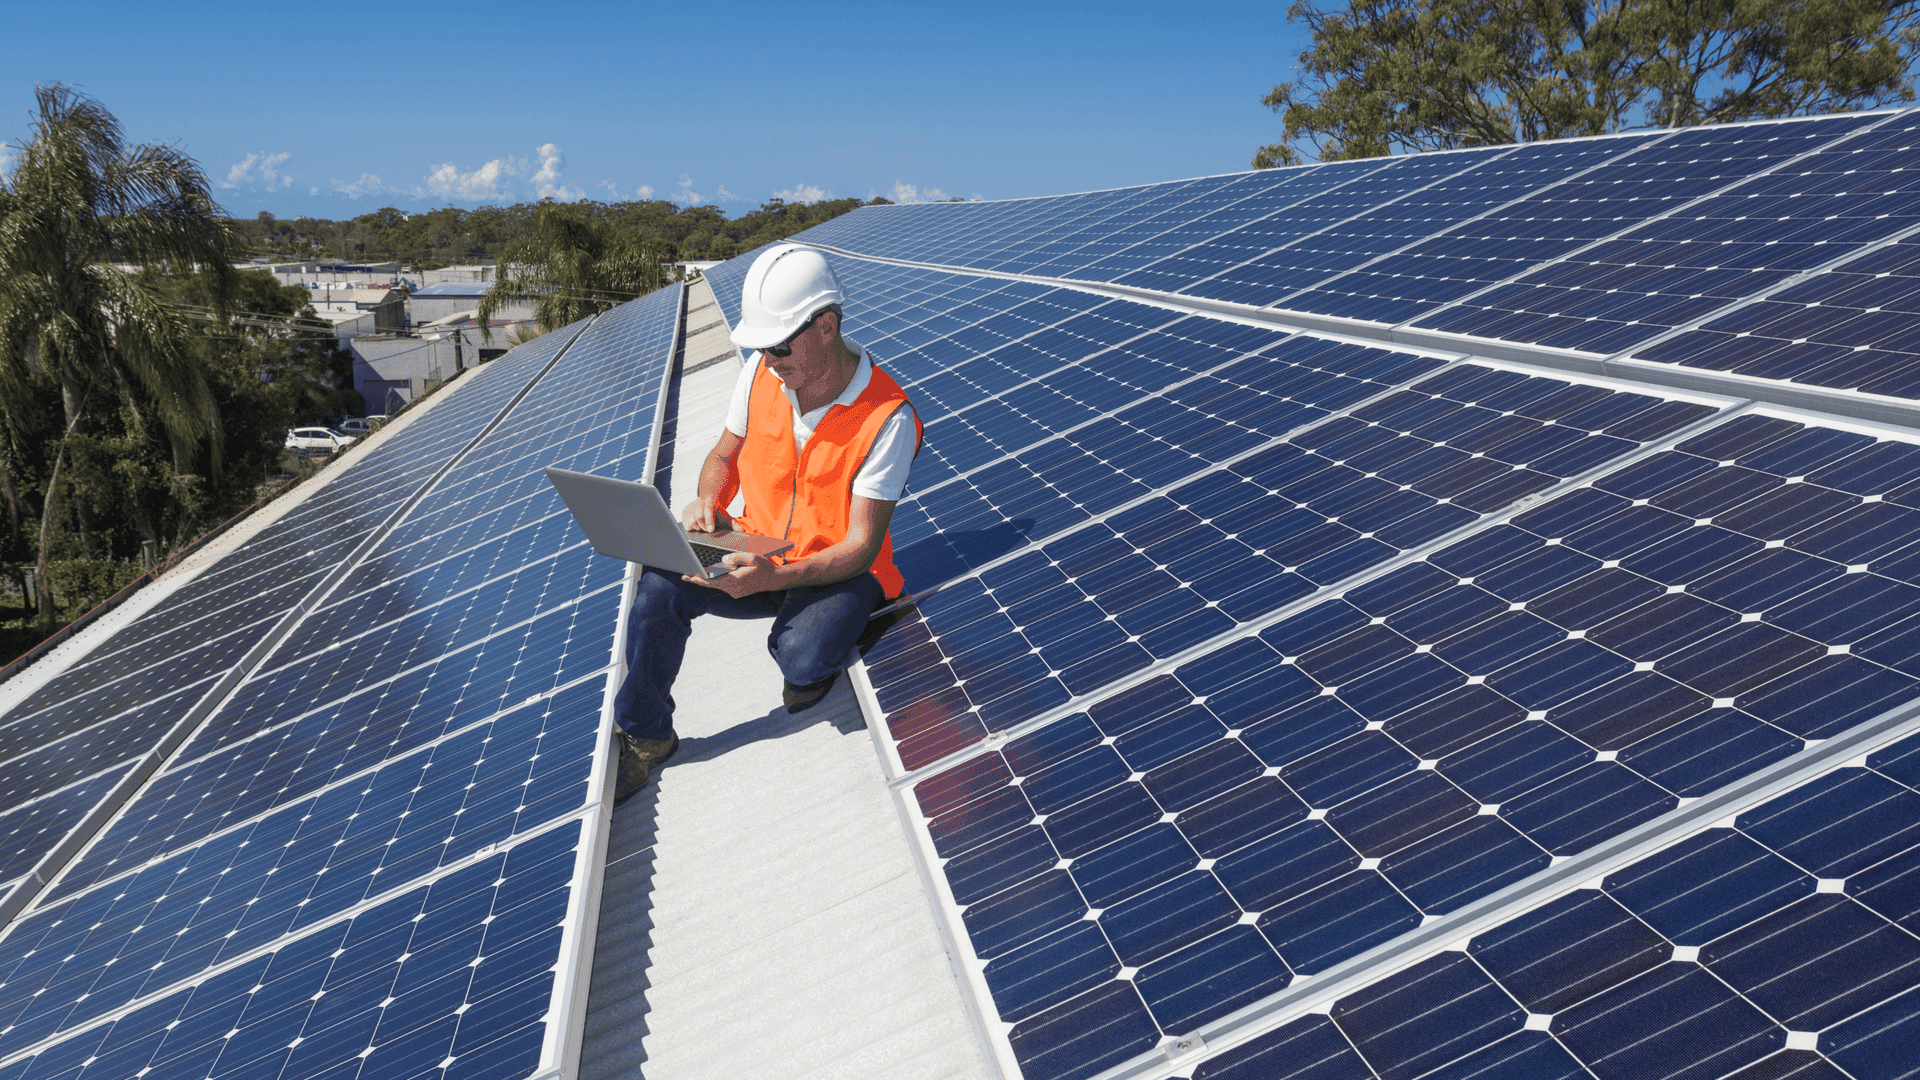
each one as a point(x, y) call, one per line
point(761, 914)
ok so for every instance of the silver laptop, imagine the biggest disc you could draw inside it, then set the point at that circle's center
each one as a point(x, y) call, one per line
point(631, 521)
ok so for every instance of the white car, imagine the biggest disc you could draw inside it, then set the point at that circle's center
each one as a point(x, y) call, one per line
point(317, 440)
point(355, 427)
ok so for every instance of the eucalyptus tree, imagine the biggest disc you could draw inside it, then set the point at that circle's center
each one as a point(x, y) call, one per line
point(1386, 76)
point(87, 222)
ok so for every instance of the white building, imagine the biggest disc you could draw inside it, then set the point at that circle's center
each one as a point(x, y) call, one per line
point(439, 300)
point(468, 273)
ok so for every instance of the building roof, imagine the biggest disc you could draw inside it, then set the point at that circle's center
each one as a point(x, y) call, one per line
point(382, 295)
point(338, 317)
point(453, 290)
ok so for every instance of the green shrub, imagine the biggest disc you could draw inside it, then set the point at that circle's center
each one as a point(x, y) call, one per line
point(79, 584)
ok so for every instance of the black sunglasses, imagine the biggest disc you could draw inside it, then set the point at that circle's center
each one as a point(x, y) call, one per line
point(785, 348)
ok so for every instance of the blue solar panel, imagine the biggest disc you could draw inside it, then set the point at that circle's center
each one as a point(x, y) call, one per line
point(279, 874)
point(441, 703)
point(1852, 328)
point(1653, 177)
point(1781, 942)
point(1703, 255)
point(1253, 198)
point(455, 977)
point(1199, 549)
point(121, 700)
point(1446, 729)
point(1169, 206)
point(1100, 214)
point(1157, 791)
point(30, 829)
point(1198, 271)
point(1495, 181)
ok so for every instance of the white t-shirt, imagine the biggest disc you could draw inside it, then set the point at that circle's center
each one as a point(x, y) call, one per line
point(883, 476)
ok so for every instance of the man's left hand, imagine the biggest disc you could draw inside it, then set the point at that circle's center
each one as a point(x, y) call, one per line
point(750, 574)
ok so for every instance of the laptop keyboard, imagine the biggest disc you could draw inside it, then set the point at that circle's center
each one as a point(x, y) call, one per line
point(708, 555)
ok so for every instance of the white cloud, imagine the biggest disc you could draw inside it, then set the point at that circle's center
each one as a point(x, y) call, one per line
point(8, 155)
point(269, 171)
point(613, 189)
point(802, 193)
point(546, 182)
point(904, 192)
point(486, 182)
point(368, 184)
point(644, 191)
point(498, 179)
point(686, 194)
point(728, 196)
point(313, 190)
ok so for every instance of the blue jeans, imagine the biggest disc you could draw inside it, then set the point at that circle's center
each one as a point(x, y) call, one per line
point(814, 632)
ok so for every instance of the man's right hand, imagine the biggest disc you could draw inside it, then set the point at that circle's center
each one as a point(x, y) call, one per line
point(701, 515)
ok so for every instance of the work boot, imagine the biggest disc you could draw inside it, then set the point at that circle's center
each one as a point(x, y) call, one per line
point(799, 699)
point(638, 758)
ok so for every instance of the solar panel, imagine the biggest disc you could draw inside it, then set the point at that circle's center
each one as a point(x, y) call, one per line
point(120, 704)
point(1780, 939)
point(1731, 243)
point(1297, 797)
point(1850, 328)
point(1258, 651)
point(1176, 523)
point(380, 843)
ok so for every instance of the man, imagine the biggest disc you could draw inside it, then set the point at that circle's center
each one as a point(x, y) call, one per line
point(818, 441)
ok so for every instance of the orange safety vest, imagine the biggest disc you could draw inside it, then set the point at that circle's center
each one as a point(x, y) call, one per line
point(807, 497)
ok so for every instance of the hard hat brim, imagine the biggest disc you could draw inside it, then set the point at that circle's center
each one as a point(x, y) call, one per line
point(758, 337)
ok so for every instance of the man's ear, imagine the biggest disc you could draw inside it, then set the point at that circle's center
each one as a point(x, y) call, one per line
point(831, 320)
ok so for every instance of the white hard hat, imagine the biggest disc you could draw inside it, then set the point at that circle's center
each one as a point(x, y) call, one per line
point(784, 287)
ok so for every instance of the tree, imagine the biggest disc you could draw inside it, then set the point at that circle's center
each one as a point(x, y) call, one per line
point(571, 263)
point(86, 224)
point(270, 362)
point(1408, 75)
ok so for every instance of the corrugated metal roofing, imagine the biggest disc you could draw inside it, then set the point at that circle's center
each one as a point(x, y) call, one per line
point(761, 913)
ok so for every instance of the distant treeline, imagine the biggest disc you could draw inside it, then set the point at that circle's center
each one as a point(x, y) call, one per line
point(450, 235)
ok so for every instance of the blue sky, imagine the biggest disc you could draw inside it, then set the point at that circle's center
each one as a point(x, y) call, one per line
point(337, 110)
